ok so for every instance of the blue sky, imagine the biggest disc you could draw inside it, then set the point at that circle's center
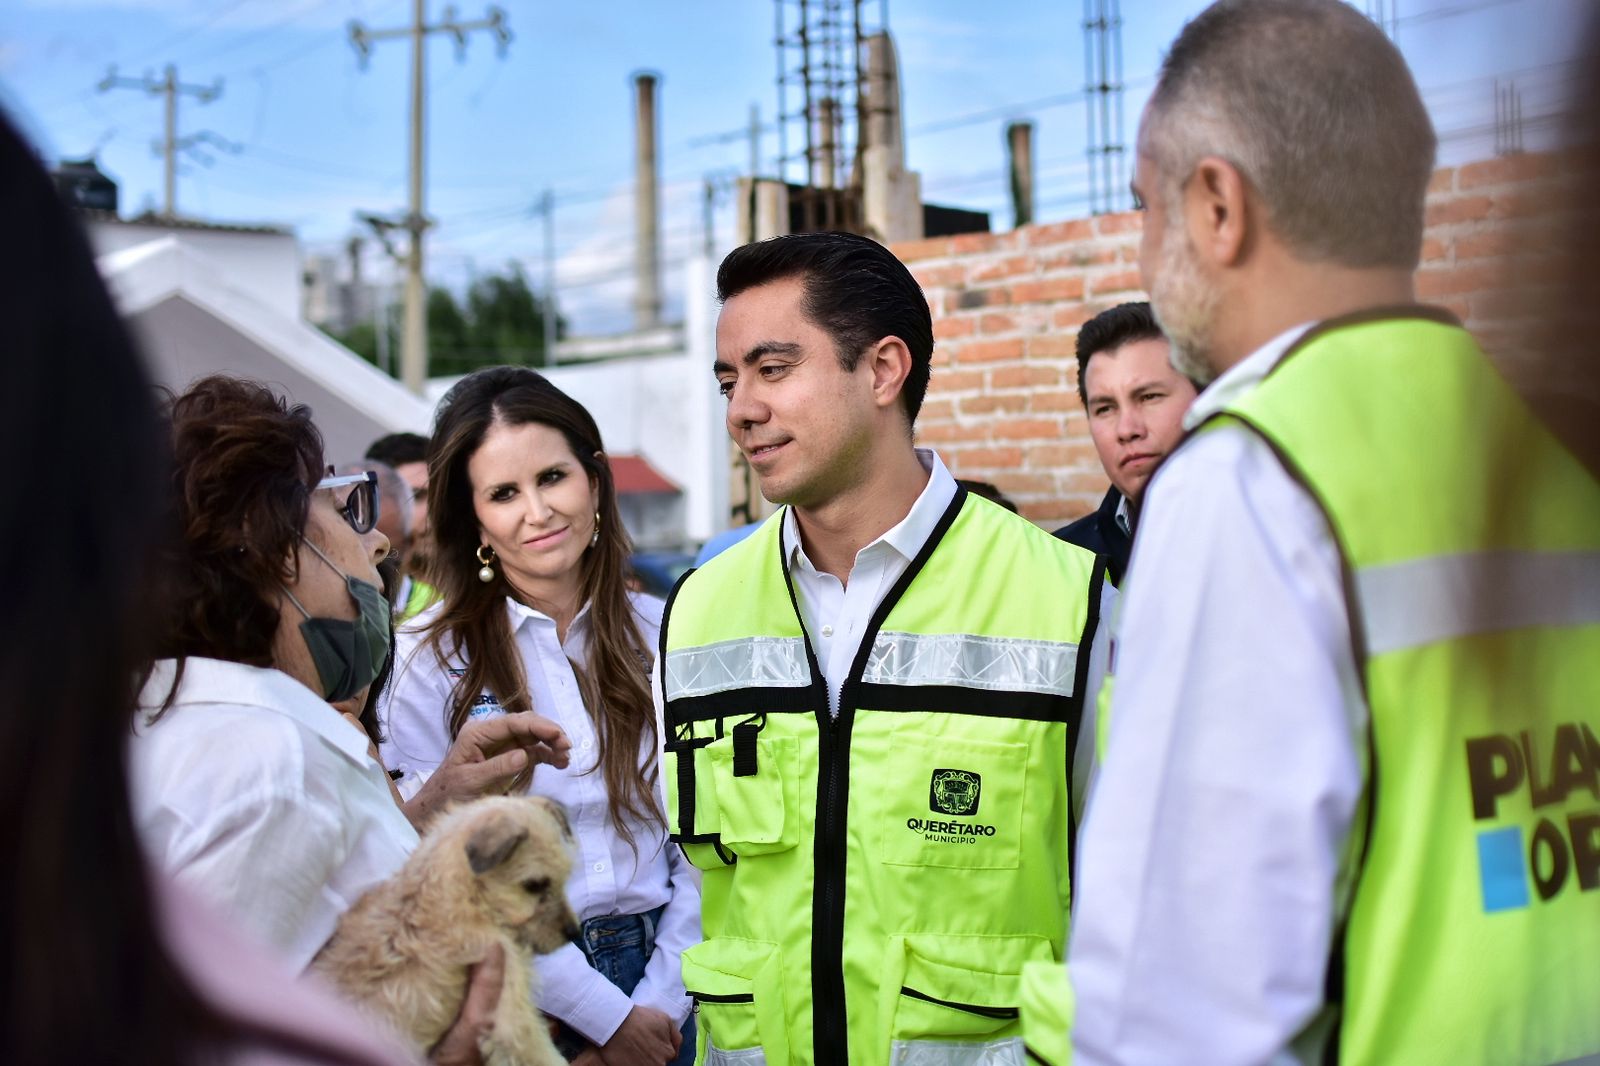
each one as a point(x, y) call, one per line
point(320, 138)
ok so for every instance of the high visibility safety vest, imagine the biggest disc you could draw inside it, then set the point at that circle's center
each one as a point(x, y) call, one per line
point(874, 882)
point(1470, 541)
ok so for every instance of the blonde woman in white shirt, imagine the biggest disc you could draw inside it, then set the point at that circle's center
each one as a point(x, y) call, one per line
point(530, 562)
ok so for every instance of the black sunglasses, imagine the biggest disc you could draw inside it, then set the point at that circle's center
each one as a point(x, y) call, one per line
point(360, 508)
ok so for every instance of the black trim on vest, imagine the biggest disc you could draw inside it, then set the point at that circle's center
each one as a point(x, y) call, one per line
point(1334, 979)
point(667, 721)
point(957, 699)
point(737, 702)
point(1080, 700)
point(829, 1026)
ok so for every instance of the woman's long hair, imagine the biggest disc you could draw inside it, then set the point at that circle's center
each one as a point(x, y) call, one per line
point(473, 624)
point(84, 973)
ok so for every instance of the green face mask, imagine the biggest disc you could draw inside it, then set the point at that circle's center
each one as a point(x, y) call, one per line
point(347, 655)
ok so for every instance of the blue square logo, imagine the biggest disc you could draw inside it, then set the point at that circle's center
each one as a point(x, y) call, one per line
point(1502, 868)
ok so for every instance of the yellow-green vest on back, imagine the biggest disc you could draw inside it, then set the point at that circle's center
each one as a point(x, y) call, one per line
point(874, 883)
point(1471, 544)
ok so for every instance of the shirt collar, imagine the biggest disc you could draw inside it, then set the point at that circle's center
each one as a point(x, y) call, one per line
point(1123, 515)
point(220, 681)
point(1242, 377)
point(909, 534)
point(521, 614)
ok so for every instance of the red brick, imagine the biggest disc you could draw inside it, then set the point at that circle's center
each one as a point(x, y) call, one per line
point(1509, 169)
point(968, 243)
point(997, 323)
point(1461, 209)
point(1524, 203)
point(1078, 229)
point(987, 403)
point(950, 433)
point(1021, 483)
point(1064, 399)
point(986, 458)
point(1022, 377)
point(1027, 429)
point(989, 351)
point(995, 269)
point(1053, 345)
point(1042, 456)
point(1050, 514)
point(1120, 281)
point(968, 299)
point(947, 327)
point(929, 248)
point(1077, 255)
point(936, 411)
point(1125, 222)
point(956, 381)
point(1434, 250)
point(1068, 288)
point(1443, 180)
point(940, 275)
point(1074, 316)
point(1462, 279)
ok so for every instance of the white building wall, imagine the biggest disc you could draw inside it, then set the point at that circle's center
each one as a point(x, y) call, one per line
point(264, 264)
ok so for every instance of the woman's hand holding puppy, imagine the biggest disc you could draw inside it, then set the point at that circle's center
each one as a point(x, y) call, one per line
point(461, 1042)
point(485, 758)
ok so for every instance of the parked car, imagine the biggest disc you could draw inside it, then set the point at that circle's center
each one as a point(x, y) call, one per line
point(659, 571)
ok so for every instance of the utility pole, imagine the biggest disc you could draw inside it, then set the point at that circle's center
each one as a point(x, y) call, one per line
point(170, 144)
point(414, 339)
point(547, 208)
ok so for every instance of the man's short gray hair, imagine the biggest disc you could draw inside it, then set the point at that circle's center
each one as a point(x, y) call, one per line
point(1319, 113)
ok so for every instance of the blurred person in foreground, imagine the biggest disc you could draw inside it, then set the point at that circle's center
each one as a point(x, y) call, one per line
point(1135, 399)
point(1350, 809)
point(530, 562)
point(407, 455)
point(249, 787)
point(102, 958)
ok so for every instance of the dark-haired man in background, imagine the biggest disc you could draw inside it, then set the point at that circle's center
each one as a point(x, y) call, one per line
point(871, 703)
point(407, 455)
point(1135, 401)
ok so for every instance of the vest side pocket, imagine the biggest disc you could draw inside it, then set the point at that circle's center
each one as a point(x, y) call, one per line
point(760, 811)
point(957, 1001)
point(737, 988)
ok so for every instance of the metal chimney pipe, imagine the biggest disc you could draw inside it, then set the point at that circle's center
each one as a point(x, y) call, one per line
point(1019, 153)
point(825, 165)
point(646, 206)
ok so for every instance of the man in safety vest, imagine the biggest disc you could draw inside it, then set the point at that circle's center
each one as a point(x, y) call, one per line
point(871, 704)
point(1350, 810)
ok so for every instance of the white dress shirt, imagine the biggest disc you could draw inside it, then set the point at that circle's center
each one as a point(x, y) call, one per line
point(607, 877)
point(1210, 867)
point(255, 794)
point(836, 614)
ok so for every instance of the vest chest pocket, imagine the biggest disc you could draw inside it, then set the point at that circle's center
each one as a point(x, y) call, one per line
point(953, 801)
point(692, 816)
point(757, 793)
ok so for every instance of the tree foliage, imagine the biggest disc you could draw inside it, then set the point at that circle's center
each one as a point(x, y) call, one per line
point(500, 321)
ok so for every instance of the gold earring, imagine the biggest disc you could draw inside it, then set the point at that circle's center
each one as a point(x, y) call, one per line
point(486, 575)
point(595, 539)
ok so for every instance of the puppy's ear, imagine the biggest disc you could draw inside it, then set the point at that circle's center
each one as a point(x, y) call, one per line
point(559, 813)
point(492, 844)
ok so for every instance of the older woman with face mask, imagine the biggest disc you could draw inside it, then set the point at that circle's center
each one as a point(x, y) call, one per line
point(248, 786)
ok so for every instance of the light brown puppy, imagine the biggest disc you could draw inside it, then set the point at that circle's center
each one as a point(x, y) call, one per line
point(490, 871)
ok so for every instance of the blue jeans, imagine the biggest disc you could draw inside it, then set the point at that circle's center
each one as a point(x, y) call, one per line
point(618, 947)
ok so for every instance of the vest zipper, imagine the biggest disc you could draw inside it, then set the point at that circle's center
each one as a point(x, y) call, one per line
point(830, 1040)
point(1004, 1013)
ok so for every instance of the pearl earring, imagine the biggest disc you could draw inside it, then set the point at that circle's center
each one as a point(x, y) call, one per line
point(486, 556)
point(595, 539)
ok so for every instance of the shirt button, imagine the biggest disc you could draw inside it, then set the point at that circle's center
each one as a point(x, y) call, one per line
point(827, 631)
point(599, 867)
point(586, 745)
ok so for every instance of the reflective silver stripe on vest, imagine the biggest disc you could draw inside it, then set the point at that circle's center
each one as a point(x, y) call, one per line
point(776, 662)
point(1445, 597)
point(1008, 1052)
point(750, 1056)
point(995, 663)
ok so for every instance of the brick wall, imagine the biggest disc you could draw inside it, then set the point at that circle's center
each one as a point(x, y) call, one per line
point(1003, 403)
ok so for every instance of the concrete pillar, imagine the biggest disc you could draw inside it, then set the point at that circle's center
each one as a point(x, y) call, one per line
point(646, 206)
